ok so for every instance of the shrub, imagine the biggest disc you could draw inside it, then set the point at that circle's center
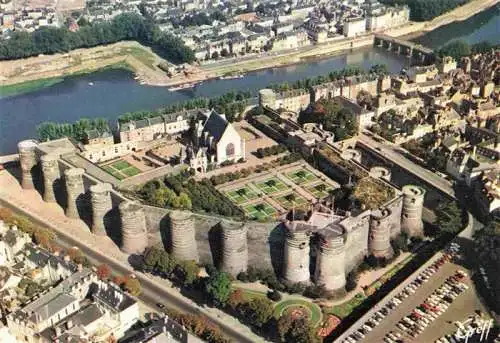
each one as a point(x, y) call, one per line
point(274, 295)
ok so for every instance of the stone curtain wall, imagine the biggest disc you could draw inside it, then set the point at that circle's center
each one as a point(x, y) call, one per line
point(265, 240)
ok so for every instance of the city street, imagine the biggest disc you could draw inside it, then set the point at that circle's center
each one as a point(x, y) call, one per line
point(152, 293)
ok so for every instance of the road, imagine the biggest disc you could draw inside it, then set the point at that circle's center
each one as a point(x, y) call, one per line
point(151, 292)
point(389, 151)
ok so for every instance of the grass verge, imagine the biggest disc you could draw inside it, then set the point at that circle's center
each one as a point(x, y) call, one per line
point(344, 309)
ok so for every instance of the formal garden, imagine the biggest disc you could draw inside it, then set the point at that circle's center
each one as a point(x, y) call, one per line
point(121, 169)
point(261, 211)
point(271, 186)
point(286, 187)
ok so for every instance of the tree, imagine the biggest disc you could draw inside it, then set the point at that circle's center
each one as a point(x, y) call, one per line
point(151, 258)
point(235, 299)
point(133, 286)
point(218, 288)
point(188, 272)
point(297, 330)
point(103, 271)
point(118, 280)
point(352, 280)
point(185, 201)
point(449, 218)
point(258, 311)
point(274, 295)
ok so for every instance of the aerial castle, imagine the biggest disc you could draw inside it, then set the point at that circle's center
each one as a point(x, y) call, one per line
point(323, 247)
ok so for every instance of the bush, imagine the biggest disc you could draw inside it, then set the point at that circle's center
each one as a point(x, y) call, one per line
point(315, 291)
point(352, 280)
point(274, 295)
point(243, 277)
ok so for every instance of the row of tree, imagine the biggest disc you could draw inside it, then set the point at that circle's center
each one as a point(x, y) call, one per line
point(127, 26)
point(48, 130)
point(352, 70)
point(217, 289)
point(231, 104)
point(271, 150)
point(423, 10)
point(158, 194)
point(460, 48)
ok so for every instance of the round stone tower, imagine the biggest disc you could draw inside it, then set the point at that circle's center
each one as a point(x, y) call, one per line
point(50, 170)
point(28, 160)
point(413, 203)
point(73, 178)
point(234, 249)
point(100, 198)
point(379, 240)
point(267, 98)
point(296, 254)
point(134, 231)
point(330, 270)
point(183, 236)
point(378, 172)
point(351, 154)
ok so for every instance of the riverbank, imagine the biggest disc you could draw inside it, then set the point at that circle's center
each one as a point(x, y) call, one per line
point(21, 76)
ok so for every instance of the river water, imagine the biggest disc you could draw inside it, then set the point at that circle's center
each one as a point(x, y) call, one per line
point(111, 93)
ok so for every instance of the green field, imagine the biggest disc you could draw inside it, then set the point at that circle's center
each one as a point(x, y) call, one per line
point(312, 309)
point(271, 185)
point(287, 203)
point(260, 211)
point(301, 176)
point(28, 86)
point(320, 190)
point(121, 169)
point(241, 195)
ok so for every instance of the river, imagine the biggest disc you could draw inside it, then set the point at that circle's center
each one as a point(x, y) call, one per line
point(111, 93)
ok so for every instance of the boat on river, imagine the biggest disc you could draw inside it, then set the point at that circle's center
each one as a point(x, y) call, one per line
point(183, 86)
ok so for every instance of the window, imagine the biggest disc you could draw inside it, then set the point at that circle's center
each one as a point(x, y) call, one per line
point(116, 150)
point(230, 149)
point(103, 153)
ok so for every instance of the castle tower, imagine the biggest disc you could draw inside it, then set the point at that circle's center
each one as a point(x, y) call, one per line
point(378, 172)
point(183, 241)
point(330, 270)
point(28, 160)
point(296, 254)
point(134, 231)
point(267, 98)
point(234, 249)
point(50, 170)
point(75, 190)
point(100, 198)
point(379, 241)
point(413, 203)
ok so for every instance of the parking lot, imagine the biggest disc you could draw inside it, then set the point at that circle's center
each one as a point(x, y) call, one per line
point(426, 323)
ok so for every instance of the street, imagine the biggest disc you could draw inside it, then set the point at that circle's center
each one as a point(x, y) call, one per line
point(151, 292)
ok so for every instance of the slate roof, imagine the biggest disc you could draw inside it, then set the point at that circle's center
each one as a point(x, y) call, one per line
point(111, 296)
point(93, 134)
point(215, 125)
point(42, 257)
point(153, 329)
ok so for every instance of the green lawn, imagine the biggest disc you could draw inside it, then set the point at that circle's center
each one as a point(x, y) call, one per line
point(241, 195)
point(288, 204)
point(120, 164)
point(260, 211)
point(301, 176)
point(315, 314)
point(343, 310)
point(271, 185)
point(121, 169)
point(317, 190)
